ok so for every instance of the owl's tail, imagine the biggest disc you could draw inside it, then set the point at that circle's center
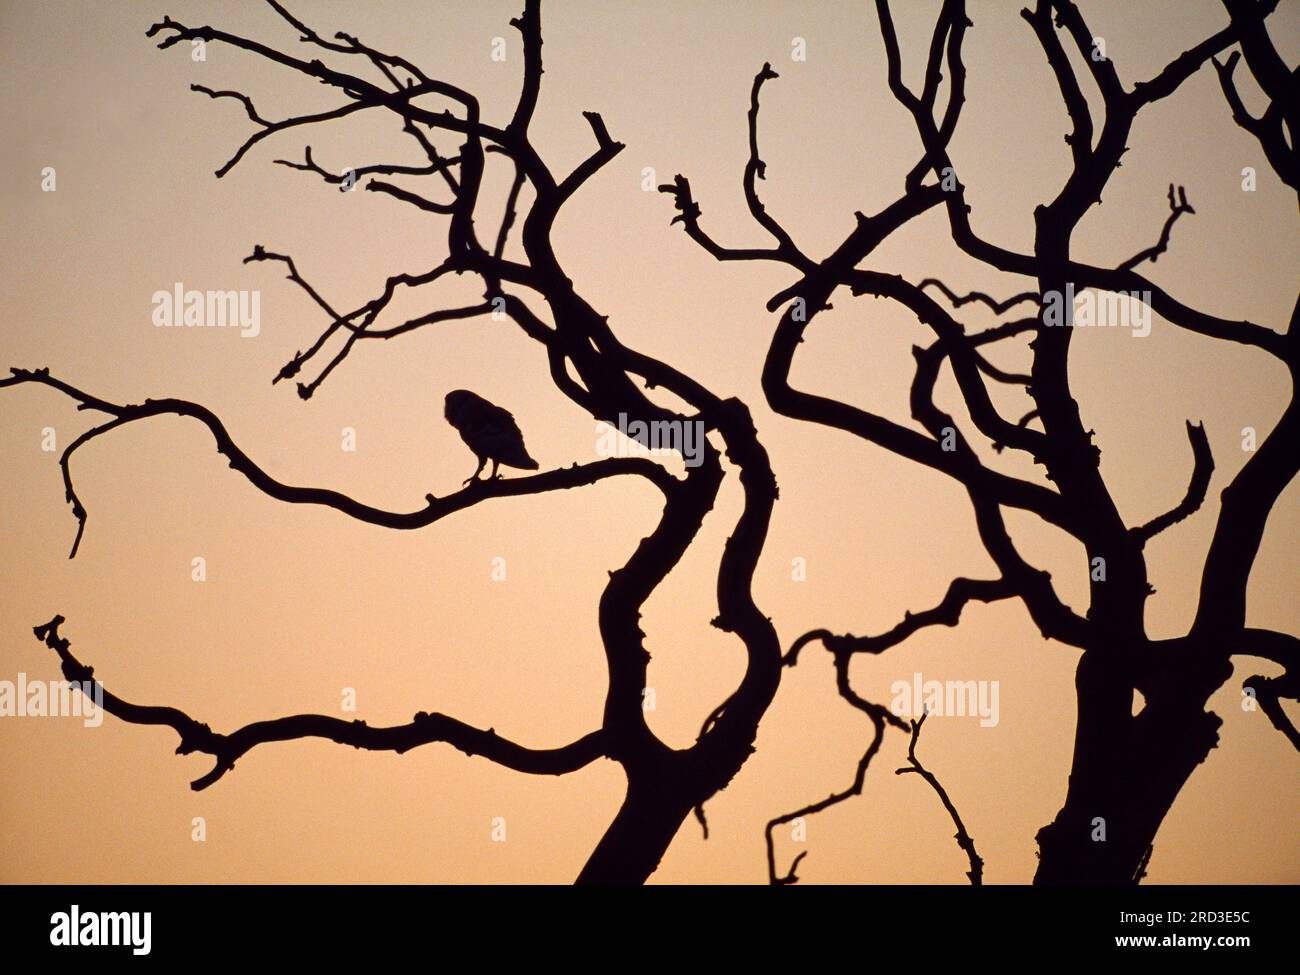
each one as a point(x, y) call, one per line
point(517, 456)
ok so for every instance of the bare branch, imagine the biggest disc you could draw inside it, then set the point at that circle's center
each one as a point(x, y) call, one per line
point(606, 149)
point(946, 613)
point(1243, 513)
point(239, 96)
point(899, 439)
point(1268, 692)
point(529, 26)
point(78, 511)
point(964, 841)
point(1269, 129)
point(406, 196)
point(1181, 68)
point(1076, 105)
point(958, 300)
point(1202, 468)
point(270, 128)
point(350, 176)
point(1276, 129)
point(1102, 68)
point(508, 217)
point(368, 313)
point(262, 254)
point(967, 365)
point(363, 92)
point(423, 729)
point(435, 508)
point(352, 46)
point(878, 717)
point(1281, 648)
point(756, 169)
point(688, 215)
point(1177, 207)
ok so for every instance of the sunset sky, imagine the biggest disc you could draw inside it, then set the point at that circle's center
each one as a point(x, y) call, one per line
point(301, 602)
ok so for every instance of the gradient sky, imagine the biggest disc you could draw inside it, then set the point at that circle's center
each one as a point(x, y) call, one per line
point(302, 602)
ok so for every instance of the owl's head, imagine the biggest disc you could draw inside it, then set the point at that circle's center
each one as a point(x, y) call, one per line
point(458, 405)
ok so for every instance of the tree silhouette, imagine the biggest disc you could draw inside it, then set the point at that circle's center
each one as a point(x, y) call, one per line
point(587, 362)
point(1127, 768)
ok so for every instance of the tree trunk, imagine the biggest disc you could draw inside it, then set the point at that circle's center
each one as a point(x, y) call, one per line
point(630, 851)
point(1126, 773)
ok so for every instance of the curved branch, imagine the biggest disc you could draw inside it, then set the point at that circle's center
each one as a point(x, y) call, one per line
point(1177, 207)
point(946, 613)
point(1277, 129)
point(240, 97)
point(756, 169)
point(78, 510)
point(1202, 468)
point(688, 215)
point(958, 300)
point(1281, 648)
point(423, 729)
point(1244, 510)
point(877, 716)
point(1284, 649)
point(688, 211)
point(1269, 691)
point(434, 509)
point(904, 441)
point(406, 196)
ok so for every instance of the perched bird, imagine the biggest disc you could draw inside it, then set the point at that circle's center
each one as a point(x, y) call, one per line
point(489, 431)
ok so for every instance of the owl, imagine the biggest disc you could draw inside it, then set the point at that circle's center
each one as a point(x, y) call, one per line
point(489, 431)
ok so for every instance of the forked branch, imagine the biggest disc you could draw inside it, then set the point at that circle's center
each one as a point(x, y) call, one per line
point(964, 841)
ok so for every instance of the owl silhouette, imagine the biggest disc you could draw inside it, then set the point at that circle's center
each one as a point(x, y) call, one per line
point(489, 431)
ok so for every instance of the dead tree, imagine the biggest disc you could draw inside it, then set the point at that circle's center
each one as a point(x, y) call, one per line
point(587, 362)
point(1127, 768)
